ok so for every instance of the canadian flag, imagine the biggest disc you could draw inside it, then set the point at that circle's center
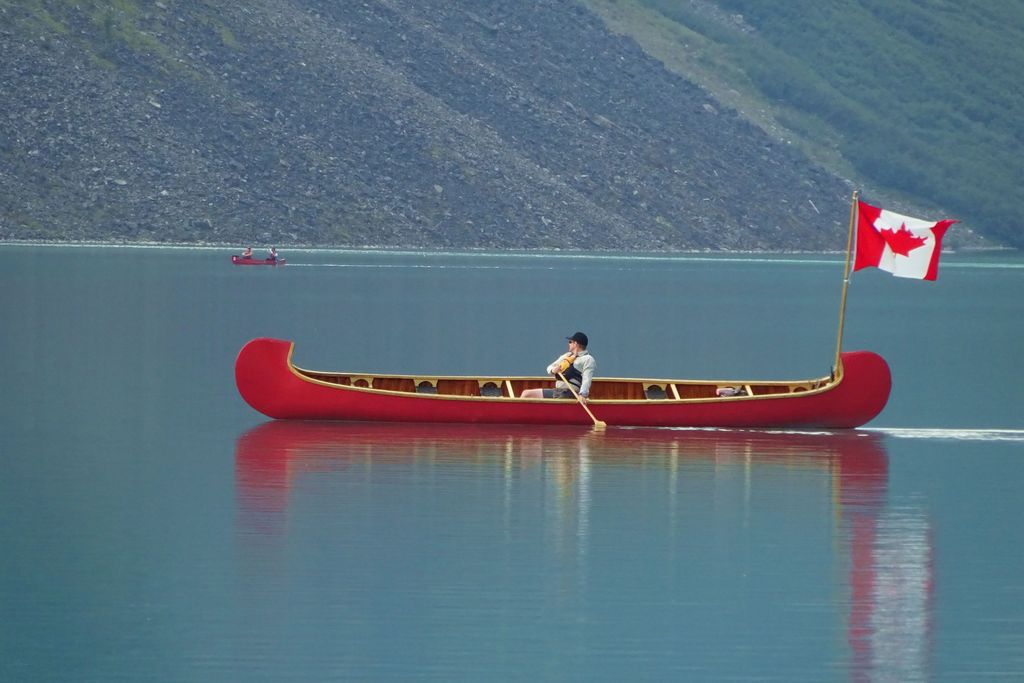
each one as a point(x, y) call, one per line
point(901, 245)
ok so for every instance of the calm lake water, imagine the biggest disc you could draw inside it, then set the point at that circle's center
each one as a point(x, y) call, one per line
point(156, 528)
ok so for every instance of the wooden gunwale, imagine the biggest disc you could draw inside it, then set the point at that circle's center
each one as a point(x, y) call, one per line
point(768, 389)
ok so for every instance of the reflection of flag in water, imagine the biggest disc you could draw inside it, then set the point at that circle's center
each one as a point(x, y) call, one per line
point(901, 245)
point(901, 623)
point(890, 596)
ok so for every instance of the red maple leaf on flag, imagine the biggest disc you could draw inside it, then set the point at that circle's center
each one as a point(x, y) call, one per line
point(902, 241)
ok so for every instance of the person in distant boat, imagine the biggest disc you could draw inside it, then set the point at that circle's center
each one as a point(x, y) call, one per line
point(576, 365)
point(272, 254)
point(247, 253)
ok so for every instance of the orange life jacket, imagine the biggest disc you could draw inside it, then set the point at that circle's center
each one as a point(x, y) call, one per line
point(569, 371)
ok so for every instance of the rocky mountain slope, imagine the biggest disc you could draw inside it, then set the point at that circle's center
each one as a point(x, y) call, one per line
point(429, 124)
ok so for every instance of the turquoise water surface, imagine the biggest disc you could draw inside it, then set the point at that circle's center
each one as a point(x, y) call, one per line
point(156, 528)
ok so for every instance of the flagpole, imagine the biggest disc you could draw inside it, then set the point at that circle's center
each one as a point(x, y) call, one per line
point(846, 281)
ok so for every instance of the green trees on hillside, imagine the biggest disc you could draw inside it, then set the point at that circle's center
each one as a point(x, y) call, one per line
point(920, 96)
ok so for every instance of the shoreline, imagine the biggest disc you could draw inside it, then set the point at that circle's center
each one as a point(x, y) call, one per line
point(523, 250)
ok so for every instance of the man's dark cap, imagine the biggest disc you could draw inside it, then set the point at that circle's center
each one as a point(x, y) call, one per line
point(579, 338)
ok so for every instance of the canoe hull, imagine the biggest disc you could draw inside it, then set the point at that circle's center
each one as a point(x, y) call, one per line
point(268, 382)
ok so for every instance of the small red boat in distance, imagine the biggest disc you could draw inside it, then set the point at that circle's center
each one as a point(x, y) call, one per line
point(243, 261)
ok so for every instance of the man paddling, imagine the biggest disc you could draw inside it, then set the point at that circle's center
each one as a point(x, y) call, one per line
point(576, 365)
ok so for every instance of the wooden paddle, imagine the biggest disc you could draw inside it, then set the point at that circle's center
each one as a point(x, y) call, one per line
point(598, 425)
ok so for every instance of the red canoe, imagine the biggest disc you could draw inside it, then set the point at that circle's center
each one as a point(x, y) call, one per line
point(270, 383)
point(242, 261)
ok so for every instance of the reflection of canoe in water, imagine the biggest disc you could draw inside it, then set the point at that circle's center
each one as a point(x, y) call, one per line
point(242, 261)
point(271, 384)
point(297, 440)
point(273, 448)
point(290, 438)
point(555, 482)
point(269, 455)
